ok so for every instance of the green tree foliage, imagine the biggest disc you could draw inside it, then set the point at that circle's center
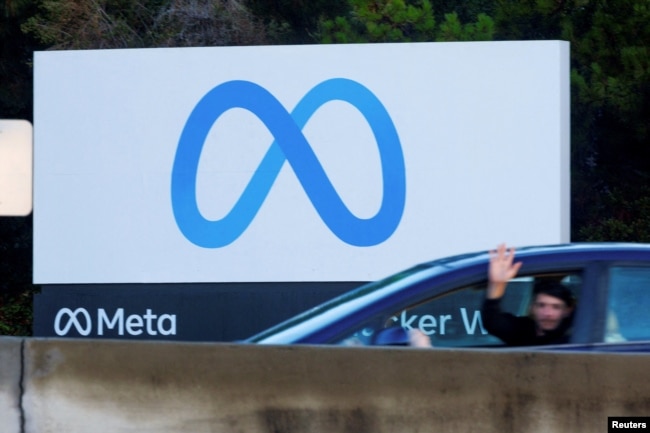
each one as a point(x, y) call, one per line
point(452, 29)
point(206, 23)
point(623, 217)
point(401, 21)
point(15, 233)
point(15, 60)
point(98, 24)
point(16, 288)
point(610, 77)
point(466, 10)
point(382, 21)
point(296, 21)
point(80, 24)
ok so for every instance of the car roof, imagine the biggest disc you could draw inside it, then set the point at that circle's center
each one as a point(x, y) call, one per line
point(347, 303)
point(594, 250)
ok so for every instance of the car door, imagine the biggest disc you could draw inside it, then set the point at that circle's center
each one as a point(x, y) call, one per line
point(613, 315)
point(627, 311)
point(452, 317)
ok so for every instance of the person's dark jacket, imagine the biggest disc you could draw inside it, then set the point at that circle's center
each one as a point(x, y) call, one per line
point(520, 330)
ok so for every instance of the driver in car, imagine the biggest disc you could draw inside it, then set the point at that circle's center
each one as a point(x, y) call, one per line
point(551, 312)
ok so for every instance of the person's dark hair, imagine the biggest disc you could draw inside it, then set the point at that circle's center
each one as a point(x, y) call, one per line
point(557, 290)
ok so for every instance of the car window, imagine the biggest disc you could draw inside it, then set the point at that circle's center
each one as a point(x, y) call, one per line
point(453, 319)
point(628, 304)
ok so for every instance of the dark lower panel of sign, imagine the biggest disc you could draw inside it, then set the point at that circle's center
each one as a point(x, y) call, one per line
point(187, 312)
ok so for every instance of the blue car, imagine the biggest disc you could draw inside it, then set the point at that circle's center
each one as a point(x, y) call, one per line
point(443, 298)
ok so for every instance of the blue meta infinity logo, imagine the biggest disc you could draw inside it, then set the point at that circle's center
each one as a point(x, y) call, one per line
point(289, 145)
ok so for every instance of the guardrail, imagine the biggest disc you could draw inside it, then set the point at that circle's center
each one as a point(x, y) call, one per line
point(52, 385)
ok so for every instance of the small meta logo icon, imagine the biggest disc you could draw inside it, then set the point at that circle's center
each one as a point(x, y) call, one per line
point(290, 145)
point(118, 323)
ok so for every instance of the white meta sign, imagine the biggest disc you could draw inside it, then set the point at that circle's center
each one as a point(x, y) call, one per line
point(294, 163)
point(15, 167)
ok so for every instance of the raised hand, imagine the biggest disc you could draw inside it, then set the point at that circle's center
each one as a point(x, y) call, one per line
point(502, 269)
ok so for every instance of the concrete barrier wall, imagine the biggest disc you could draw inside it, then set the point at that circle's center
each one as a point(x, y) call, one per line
point(10, 382)
point(125, 386)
